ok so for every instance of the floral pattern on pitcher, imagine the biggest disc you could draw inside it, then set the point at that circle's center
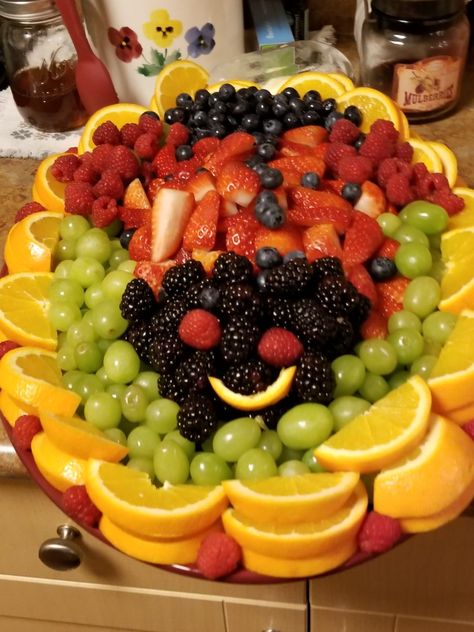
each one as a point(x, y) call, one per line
point(162, 31)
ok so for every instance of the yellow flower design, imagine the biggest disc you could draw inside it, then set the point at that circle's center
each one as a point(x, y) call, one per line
point(161, 29)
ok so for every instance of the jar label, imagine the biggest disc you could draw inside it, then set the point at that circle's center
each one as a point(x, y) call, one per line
point(428, 84)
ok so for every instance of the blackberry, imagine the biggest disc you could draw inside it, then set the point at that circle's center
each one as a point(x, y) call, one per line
point(337, 295)
point(169, 388)
point(140, 336)
point(271, 415)
point(194, 297)
point(240, 298)
point(327, 266)
point(197, 418)
point(238, 340)
point(138, 301)
point(249, 377)
point(313, 324)
point(192, 373)
point(166, 320)
point(164, 354)
point(291, 279)
point(279, 311)
point(345, 338)
point(178, 279)
point(314, 379)
point(230, 267)
point(360, 310)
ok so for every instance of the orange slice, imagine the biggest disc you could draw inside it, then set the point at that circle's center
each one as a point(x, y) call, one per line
point(176, 76)
point(118, 113)
point(11, 408)
point(237, 83)
point(24, 308)
point(287, 500)
point(31, 241)
point(32, 377)
point(423, 152)
point(342, 78)
point(457, 282)
point(46, 189)
point(272, 394)
point(384, 433)
point(372, 104)
point(60, 469)
point(448, 159)
point(466, 216)
point(132, 502)
point(462, 415)
point(302, 539)
point(404, 126)
point(430, 477)
point(327, 86)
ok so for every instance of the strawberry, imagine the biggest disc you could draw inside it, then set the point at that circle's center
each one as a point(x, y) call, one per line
point(139, 248)
point(321, 240)
point(178, 134)
point(388, 248)
point(135, 196)
point(363, 238)
point(285, 239)
point(238, 183)
point(164, 163)
point(169, 216)
point(374, 326)
point(152, 273)
point(279, 347)
point(236, 146)
point(310, 135)
point(391, 295)
point(309, 207)
point(205, 146)
point(299, 164)
point(202, 225)
point(134, 217)
point(186, 169)
point(200, 184)
point(240, 233)
point(362, 281)
point(333, 186)
point(289, 148)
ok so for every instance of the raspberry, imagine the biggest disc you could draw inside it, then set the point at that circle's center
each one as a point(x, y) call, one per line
point(150, 122)
point(377, 147)
point(356, 169)
point(279, 347)
point(469, 428)
point(205, 146)
point(344, 131)
point(86, 173)
point(104, 211)
point(100, 157)
point(218, 555)
point(124, 162)
point(130, 132)
point(25, 428)
point(78, 198)
point(398, 190)
point(63, 167)
point(6, 346)
point(378, 533)
point(28, 209)
point(147, 173)
point(146, 146)
point(390, 167)
point(107, 132)
point(384, 128)
point(178, 134)
point(404, 151)
point(77, 504)
point(451, 203)
point(335, 152)
point(200, 329)
point(110, 183)
point(164, 163)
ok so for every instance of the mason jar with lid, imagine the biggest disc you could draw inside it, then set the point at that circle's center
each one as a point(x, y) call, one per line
point(415, 51)
point(40, 61)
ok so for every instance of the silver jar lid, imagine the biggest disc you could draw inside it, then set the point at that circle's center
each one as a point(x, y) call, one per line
point(28, 11)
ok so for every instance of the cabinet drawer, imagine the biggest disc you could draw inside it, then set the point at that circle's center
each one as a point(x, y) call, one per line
point(265, 616)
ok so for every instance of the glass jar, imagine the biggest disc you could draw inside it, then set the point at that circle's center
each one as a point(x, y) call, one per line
point(40, 61)
point(415, 51)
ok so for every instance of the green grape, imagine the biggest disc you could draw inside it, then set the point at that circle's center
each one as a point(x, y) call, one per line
point(121, 362)
point(142, 442)
point(349, 372)
point(86, 271)
point(209, 469)
point(62, 314)
point(70, 379)
point(63, 270)
point(293, 468)
point(94, 243)
point(255, 464)
point(104, 344)
point(427, 217)
point(115, 283)
point(389, 223)
point(66, 290)
point(103, 377)
point(410, 234)
point(305, 425)
point(88, 357)
point(127, 266)
point(161, 415)
point(102, 410)
point(171, 463)
point(438, 326)
point(65, 358)
point(185, 444)
point(65, 250)
point(80, 332)
point(87, 385)
point(116, 390)
point(142, 464)
point(374, 387)
point(378, 356)
point(438, 268)
point(116, 435)
point(148, 380)
point(236, 437)
point(108, 321)
point(422, 296)
point(134, 403)
point(73, 226)
point(423, 366)
point(431, 347)
point(398, 378)
point(413, 260)
point(312, 462)
point(289, 454)
point(345, 408)
point(113, 229)
point(126, 426)
point(271, 442)
point(117, 257)
point(94, 295)
point(403, 319)
point(408, 344)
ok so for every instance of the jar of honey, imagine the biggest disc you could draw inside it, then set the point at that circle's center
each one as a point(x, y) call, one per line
point(40, 61)
point(415, 51)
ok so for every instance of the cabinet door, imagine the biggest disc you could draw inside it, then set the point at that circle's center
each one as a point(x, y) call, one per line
point(264, 617)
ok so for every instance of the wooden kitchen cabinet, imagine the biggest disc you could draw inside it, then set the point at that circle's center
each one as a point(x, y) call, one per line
point(110, 592)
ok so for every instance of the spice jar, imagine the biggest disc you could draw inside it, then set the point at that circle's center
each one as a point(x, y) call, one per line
point(40, 61)
point(414, 51)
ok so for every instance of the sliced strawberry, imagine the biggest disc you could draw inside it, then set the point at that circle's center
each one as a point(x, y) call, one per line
point(182, 256)
point(300, 164)
point(388, 248)
point(238, 183)
point(152, 272)
point(236, 146)
point(169, 216)
point(363, 238)
point(202, 225)
point(200, 184)
point(334, 186)
point(135, 196)
point(240, 234)
point(390, 295)
point(363, 282)
point(207, 258)
point(134, 217)
point(309, 207)
point(372, 202)
point(310, 135)
point(288, 148)
point(153, 187)
point(139, 248)
point(164, 163)
point(228, 208)
point(206, 146)
point(285, 239)
point(374, 326)
point(321, 240)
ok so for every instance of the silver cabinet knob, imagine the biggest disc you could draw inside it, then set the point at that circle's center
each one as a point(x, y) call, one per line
point(62, 553)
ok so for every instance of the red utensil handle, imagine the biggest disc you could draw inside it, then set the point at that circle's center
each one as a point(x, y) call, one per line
point(73, 23)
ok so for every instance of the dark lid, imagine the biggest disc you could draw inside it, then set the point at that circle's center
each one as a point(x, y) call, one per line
point(418, 9)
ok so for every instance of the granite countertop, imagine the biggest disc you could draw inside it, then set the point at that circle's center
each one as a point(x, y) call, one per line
point(16, 177)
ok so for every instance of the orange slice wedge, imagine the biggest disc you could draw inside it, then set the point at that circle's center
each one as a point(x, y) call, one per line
point(372, 104)
point(327, 86)
point(60, 469)
point(117, 113)
point(176, 76)
point(46, 189)
point(457, 283)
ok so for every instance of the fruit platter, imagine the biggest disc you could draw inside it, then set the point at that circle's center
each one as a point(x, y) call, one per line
point(233, 328)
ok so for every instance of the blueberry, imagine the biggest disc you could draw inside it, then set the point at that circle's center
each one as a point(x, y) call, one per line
point(273, 217)
point(126, 236)
point(279, 109)
point(382, 268)
point(359, 141)
point(272, 126)
point(263, 95)
point(226, 91)
point(201, 97)
point(311, 117)
point(312, 96)
point(231, 122)
point(331, 118)
point(291, 93)
point(310, 180)
point(218, 130)
point(250, 121)
point(353, 114)
point(294, 254)
point(267, 258)
point(329, 105)
point(351, 192)
point(316, 106)
point(290, 120)
point(271, 178)
point(184, 99)
point(259, 137)
point(151, 114)
point(184, 152)
point(213, 99)
point(215, 116)
point(209, 297)
point(220, 106)
point(267, 151)
point(266, 197)
point(254, 161)
point(175, 115)
point(199, 118)
point(239, 108)
point(296, 105)
point(262, 108)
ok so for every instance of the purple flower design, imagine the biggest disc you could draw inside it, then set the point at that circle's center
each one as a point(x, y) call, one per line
point(200, 41)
